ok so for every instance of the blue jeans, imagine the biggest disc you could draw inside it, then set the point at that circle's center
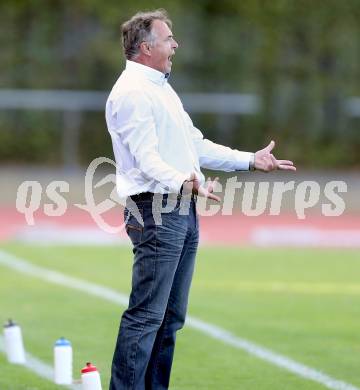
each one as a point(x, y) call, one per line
point(164, 258)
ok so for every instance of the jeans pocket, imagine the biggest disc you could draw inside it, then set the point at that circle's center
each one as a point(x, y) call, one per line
point(133, 225)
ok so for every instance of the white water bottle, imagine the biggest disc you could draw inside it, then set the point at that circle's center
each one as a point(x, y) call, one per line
point(63, 362)
point(14, 346)
point(90, 378)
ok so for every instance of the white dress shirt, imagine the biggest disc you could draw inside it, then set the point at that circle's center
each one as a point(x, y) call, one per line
point(156, 145)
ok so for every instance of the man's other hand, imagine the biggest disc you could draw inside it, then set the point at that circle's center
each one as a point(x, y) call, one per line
point(193, 186)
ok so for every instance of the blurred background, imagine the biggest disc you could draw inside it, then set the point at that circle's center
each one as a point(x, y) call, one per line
point(289, 70)
point(247, 72)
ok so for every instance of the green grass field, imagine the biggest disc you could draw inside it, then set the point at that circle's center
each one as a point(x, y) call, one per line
point(304, 304)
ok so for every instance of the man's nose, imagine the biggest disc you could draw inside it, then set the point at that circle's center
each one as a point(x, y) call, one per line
point(175, 45)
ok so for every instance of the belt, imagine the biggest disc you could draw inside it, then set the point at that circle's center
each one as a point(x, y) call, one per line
point(143, 196)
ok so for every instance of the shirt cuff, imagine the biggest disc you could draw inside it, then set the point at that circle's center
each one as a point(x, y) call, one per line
point(242, 160)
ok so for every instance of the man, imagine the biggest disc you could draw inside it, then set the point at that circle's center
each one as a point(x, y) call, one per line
point(159, 153)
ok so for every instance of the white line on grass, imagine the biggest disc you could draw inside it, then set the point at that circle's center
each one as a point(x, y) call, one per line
point(23, 266)
point(39, 367)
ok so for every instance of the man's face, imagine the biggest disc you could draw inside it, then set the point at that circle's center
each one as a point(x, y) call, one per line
point(163, 47)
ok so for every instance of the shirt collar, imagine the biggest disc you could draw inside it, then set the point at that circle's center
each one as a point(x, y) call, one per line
point(149, 73)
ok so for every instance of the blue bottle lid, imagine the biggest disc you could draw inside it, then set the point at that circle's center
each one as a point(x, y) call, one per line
point(62, 342)
point(10, 323)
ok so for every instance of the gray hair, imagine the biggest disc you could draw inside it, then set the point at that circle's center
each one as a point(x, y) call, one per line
point(138, 29)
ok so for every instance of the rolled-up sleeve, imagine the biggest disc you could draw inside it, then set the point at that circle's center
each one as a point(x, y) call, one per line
point(135, 124)
point(215, 156)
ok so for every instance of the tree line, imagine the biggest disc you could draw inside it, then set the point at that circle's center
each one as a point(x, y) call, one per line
point(300, 57)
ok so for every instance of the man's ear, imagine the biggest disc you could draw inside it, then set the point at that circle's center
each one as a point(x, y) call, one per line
point(145, 48)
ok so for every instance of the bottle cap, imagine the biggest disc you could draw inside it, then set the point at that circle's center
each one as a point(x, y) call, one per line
point(10, 323)
point(88, 368)
point(62, 342)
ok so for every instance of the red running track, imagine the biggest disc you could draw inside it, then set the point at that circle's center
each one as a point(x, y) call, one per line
point(237, 229)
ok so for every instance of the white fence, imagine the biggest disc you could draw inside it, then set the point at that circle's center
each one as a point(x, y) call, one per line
point(73, 103)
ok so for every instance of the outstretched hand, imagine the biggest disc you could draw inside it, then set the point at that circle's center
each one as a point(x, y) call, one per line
point(193, 186)
point(266, 162)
